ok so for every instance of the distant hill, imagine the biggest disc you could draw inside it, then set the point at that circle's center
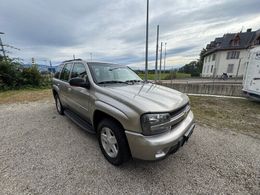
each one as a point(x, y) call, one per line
point(41, 67)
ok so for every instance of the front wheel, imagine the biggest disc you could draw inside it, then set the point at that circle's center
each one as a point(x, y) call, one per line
point(59, 106)
point(112, 142)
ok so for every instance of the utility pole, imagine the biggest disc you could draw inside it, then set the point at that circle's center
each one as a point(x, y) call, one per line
point(2, 46)
point(164, 57)
point(73, 56)
point(160, 62)
point(33, 61)
point(156, 58)
point(146, 42)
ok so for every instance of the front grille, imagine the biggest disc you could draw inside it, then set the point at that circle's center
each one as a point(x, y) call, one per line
point(179, 110)
point(179, 115)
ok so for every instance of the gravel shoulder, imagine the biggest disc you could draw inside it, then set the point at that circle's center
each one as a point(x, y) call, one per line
point(42, 152)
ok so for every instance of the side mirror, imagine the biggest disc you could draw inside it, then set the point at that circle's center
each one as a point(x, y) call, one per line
point(79, 82)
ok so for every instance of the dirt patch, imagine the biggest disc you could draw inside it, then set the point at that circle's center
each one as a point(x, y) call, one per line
point(225, 113)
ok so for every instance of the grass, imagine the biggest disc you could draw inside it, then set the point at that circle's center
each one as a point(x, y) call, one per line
point(225, 113)
point(166, 76)
point(24, 95)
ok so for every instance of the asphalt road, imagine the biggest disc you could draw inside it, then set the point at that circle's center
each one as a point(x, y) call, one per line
point(44, 153)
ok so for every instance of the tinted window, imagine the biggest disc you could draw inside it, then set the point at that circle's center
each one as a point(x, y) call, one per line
point(79, 71)
point(65, 72)
point(58, 69)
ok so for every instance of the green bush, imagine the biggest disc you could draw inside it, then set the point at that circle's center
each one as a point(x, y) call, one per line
point(10, 76)
point(31, 76)
point(14, 76)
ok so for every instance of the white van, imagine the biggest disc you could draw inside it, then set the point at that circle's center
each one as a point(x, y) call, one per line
point(251, 81)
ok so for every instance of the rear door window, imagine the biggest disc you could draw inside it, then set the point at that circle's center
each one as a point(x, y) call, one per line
point(57, 71)
point(65, 74)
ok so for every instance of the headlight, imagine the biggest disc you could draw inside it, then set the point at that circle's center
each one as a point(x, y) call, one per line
point(152, 123)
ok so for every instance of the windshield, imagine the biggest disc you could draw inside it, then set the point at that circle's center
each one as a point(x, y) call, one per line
point(112, 73)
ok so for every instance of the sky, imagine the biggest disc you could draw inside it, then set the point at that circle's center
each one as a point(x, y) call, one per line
point(114, 30)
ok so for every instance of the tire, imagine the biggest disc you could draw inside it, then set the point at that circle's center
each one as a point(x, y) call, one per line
point(58, 104)
point(112, 142)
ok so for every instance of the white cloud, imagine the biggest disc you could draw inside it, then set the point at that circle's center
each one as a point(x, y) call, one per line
point(115, 30)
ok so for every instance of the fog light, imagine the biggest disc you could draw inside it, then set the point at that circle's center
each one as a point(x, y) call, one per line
point(160, 154)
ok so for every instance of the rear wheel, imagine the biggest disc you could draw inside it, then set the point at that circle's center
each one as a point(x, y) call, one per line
point(59, 106)
point(113, 142)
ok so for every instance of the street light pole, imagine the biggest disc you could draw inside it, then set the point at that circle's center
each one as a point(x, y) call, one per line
point(160, 62)
point(156, 58)
point(146, 42)
point(164, 58)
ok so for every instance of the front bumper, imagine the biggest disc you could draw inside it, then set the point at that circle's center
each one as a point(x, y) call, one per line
point(158, 146)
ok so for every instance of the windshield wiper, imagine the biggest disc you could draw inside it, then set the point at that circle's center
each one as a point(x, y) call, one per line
point(108, 82)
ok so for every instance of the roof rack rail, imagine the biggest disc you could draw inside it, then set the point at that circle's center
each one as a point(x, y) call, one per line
point(78, 59)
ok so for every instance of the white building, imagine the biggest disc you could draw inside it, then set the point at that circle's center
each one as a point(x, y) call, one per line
point(229, 54)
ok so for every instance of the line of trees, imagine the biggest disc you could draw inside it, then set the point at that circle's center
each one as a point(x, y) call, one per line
point(194, 67)
point(14, 76)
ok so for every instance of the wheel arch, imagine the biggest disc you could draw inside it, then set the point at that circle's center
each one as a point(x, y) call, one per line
point(54, 92)
point(99, 115)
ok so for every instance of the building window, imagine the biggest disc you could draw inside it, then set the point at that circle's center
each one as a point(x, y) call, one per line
point(214, 57)
point(205, 60)
point(230, 68)
point(235, 41)
point(209, 58)
point(233, 54)
point(211, 70)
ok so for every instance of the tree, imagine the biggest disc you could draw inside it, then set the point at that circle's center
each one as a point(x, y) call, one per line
point(31, 76)
point(10, 76)
point(194, 67)
point(201, 59)
point(13, 75)
point(191, 68)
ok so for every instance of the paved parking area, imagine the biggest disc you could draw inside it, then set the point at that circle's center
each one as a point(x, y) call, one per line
point(44, 153)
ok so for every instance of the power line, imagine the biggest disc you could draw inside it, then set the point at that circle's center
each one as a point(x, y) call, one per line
point(12, 47)
point(6, 45)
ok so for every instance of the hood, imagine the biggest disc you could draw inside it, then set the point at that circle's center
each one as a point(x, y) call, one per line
point(147, 97)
